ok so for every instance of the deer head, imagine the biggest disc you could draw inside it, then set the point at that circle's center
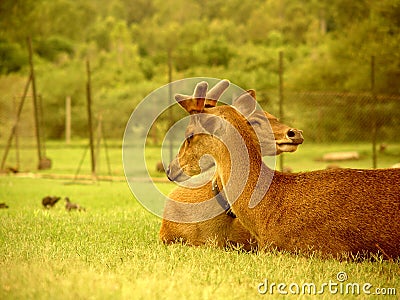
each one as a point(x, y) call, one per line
point(287, 139)
point(209, 132)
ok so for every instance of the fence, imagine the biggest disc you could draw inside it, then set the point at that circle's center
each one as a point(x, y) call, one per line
point(346, 117)
point(22, 151)
point(333, 117)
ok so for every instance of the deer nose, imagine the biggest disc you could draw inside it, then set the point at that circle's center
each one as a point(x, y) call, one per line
point(295, 135)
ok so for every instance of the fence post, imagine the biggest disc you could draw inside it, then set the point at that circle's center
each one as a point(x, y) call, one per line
point(35, 102)
point(373, 117)
point(68, 120)
point(89, 111)
point(170, 114)
point(16, 135)
point(281, 112)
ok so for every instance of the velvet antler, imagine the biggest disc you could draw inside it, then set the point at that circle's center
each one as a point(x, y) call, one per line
point(203, 98)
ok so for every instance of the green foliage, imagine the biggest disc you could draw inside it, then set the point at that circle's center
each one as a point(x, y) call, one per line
point(12, 57)
point(327, 46)
point(54, 46)
point(59, 83)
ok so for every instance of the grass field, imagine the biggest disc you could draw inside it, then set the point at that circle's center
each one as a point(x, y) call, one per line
point(75, 158)
point(112, 250)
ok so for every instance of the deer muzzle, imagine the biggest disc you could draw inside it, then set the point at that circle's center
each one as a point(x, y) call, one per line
point(295, 135)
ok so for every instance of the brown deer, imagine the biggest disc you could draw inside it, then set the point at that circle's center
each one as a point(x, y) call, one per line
point(339, 212)
point(224, 229)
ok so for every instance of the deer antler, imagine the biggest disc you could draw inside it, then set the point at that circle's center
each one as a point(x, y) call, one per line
point(205, 99)
point(215, 93)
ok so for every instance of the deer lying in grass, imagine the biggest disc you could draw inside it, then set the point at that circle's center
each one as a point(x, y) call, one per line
point(224, 229)
point(337, 212)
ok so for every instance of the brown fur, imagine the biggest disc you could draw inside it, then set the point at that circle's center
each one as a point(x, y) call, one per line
point(334, 212)
point(221, 230)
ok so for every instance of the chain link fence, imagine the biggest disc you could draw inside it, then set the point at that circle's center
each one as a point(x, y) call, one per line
point(363, 123)
point(334, 117)
point(21, 152)
point(367, 123)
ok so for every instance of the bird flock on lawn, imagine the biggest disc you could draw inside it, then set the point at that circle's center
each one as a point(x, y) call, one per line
point(50, 201)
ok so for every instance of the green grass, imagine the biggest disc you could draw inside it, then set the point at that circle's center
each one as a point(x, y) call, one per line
point(75, 158)
point(112, 250)
point(308, 156)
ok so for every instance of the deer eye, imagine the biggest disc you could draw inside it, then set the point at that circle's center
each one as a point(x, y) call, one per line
point(189, 138)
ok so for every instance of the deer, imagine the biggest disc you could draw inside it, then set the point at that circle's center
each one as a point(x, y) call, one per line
point(223, 230)
point(338, 213)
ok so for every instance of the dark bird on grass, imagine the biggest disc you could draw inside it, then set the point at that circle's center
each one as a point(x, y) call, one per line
point(12, 170)
point(3, 205)
point(50, 201)
point(70, 206)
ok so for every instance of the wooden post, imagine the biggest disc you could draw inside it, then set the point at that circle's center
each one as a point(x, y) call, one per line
point(281, 112)
point(374, 132)
point(68, 120)
point(89, 112)
point(98, 140)
point(170, 115)
point(16, 135)
point(35, 102)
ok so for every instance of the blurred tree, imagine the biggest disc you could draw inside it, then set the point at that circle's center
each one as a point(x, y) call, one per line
point(327, 46)
point(12, 57)
point(138, 10)
point(53, 46)
point(16, 17)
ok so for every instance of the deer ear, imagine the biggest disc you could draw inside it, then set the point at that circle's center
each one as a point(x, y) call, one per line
point(245, 103)
point(252, 93)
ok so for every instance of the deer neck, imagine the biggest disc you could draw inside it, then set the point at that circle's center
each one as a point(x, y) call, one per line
point(242, 174)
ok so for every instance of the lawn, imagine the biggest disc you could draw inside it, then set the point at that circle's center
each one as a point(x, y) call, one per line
point(308, 156)
point(112, 250)
point(75, 158)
